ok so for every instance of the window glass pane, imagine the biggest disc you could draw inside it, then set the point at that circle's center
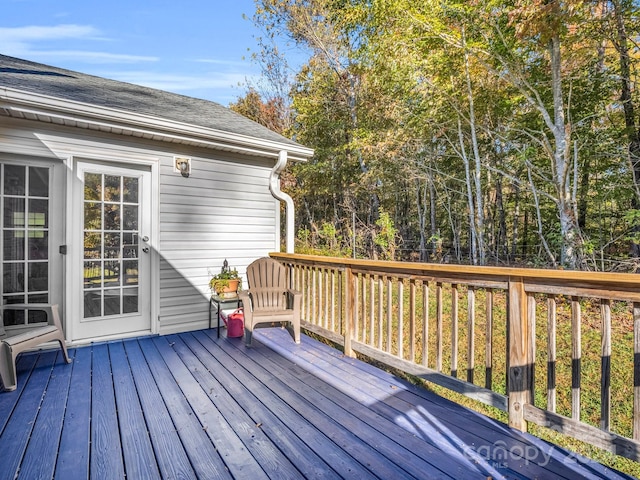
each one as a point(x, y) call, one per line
point(38, 216)
point(38, 298)
point(13, 278)
point(14, 212)
point(130, 217)
point(37, 316)
point(92, 186)
point(92, 245)
point(130, 300)
point(92, 303)
point(13, 317)
point(92, 274)
point(14, 180)
point(130, 245)
point(112, 302)
point(38, 182)
point(13, 245)
point(112, 274)
point(92, 216)
point(38, 246)
point(130, 193)
point(130, 268)
point(111, 188)
point(112, 245)
point(112, 217)
point(38, 276)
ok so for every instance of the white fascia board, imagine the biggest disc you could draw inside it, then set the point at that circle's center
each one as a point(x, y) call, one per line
point(16, 100)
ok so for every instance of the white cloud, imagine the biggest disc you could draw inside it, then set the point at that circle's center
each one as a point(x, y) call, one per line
point(180, 83)
point(25, 41)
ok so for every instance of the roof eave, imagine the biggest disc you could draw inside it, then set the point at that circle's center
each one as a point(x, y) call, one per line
point(46, 108)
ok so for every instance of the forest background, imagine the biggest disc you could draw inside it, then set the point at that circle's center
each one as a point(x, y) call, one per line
point(484, 132)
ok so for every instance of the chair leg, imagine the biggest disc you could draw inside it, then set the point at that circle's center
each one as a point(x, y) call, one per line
point(7, 368)
point(248, 336)
point(63, 346)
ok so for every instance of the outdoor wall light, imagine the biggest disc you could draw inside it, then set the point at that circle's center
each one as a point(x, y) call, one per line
point(182, 165)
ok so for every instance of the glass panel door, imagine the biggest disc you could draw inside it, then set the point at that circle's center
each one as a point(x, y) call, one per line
point(25, 240)
point(111, 250)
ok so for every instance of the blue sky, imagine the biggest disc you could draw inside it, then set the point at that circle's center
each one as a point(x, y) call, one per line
point(200, 48)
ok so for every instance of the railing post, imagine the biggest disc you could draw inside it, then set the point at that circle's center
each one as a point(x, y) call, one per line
point(350, 286)
point(520, 365)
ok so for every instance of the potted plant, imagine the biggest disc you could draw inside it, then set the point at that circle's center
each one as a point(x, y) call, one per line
point(227, 282)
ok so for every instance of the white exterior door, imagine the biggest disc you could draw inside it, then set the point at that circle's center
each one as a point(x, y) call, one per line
point(112, 219)
point(31, 199)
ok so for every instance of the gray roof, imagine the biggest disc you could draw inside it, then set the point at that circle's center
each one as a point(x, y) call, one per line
point(69, 85)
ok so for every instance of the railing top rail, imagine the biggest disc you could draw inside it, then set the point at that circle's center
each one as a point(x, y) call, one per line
point(607, 280)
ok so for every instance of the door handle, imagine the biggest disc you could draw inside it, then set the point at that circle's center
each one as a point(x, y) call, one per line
point(145, 249)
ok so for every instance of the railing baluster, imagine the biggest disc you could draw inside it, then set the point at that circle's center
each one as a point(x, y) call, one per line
point(454, 330)
point(333, 300)
point(350, 311)
point(400, 318)
point(372, 298)
point(551, 353)
point(531, 319)
point(363, 288)
point(356, 307)
point(314, 295)
point(412, 320)
point(425, 323)
point(488, 354)
point(576, 357)
point(471, 335)
point(439, 326)
point(636, 371)
point(380, 310)
point(605, 365)
point(389, 314)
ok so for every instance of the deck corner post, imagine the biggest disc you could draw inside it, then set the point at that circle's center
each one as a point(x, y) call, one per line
point(350, 285)
point(520, 369)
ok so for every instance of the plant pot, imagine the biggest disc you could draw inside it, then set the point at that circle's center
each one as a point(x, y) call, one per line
point(229, 290)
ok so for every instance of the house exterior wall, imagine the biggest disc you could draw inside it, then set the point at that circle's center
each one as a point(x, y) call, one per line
point(224, 210)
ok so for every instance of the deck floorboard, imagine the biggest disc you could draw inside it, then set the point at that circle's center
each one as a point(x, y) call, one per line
point(194, 406)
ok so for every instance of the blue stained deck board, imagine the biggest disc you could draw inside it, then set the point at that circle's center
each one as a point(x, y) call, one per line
point(476, 435)
point(139, 459)
point(14, 438)
point(285, 432)
point(366, 454)
point(376, 426)
point(555, 460)
point(224, 438)
point(73, 458)
point(8, 400)
point(40, 457)
point(296, 411)
point(205, 460)
point(257, 444)
point(170, 454)
point(106, 447)
point(280, 421)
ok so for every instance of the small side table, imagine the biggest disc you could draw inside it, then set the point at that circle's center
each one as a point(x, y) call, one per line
point(220, 303)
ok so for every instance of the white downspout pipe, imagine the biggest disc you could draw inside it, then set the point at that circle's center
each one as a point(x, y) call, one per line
point(274, 186)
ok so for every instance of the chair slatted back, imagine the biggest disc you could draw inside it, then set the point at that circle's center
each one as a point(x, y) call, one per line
point(267, 280)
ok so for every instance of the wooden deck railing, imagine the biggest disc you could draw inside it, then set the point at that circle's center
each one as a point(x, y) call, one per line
point(556, 348)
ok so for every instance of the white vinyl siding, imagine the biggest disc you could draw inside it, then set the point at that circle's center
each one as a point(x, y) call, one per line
point(224, 210)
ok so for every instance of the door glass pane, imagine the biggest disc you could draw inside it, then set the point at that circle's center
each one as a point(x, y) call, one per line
point(111, 216)
point(25, 239)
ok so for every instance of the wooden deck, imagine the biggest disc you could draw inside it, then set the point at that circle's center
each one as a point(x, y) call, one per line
point(193, 406)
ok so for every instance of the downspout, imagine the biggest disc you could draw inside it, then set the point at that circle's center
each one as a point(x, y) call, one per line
point(274, 186)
